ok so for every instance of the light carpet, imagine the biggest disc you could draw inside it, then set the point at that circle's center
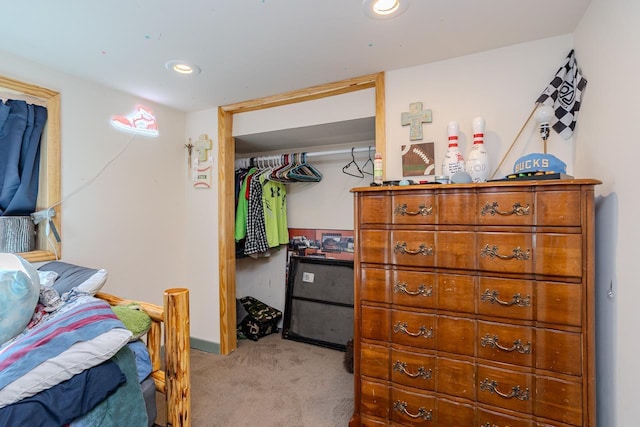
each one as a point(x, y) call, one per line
point(269, 382)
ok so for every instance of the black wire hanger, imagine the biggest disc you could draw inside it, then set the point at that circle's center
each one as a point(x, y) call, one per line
point(369, 161)
point(346, 167)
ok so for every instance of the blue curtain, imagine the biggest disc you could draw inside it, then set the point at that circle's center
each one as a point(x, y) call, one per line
point(21, 127)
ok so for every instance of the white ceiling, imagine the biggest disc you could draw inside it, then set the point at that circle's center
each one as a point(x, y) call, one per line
point(254, 48)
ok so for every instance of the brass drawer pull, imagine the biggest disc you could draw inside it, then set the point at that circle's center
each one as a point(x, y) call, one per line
point(492, 341)
point(401, 287)
point(492, 252)
point(401, 247)
point(422, 413)
point(422, 331)
point(492, 209)
point(488, 424)
point(421, 372)
point(422, 210)
point(492, 387)
point(517, 300)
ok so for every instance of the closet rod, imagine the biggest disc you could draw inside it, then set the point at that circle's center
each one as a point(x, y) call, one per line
point(325, 153)
point(344, 151)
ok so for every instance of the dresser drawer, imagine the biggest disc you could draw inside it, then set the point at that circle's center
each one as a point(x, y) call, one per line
point(413, 369)
point(374, 398)
point(558, 208)
point(559, 351)
point(375, 209)
point(559, 255)
point(375, 323)
point(505, 252)
point(456, 250)
point(413, 248)
point(559, 400)
point(374, 246)
point(454, 207)
point(505, 389)
point(455, 414)
point(374, 361)
point(559, 303)
point(456, 378)
point(495, 419)
point(456, 335)
point(505, 208)
point(498, 342)
point(553, 255)
point(414, 289)
point(375, 285)
point(413, 409)
point(417, 208)
point(413, 329)
point(508, 298)
point(456, 293)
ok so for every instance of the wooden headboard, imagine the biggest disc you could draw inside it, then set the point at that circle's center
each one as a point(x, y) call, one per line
point(172, 378)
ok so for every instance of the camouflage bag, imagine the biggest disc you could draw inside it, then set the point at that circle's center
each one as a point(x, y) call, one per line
point(260, 320)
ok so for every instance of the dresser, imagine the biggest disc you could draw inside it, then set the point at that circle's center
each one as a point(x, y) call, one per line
point(474, 305)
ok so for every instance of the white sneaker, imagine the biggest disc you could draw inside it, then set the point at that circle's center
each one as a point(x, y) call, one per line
point(141, 121)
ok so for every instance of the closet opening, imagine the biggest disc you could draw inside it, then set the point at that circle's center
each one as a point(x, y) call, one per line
point(227, 150)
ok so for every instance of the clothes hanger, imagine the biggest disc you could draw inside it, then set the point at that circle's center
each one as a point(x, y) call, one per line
point(346, 167)
point(305, 172)
point(369, 161)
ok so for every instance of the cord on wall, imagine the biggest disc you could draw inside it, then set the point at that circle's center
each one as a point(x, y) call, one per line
point(49, 213)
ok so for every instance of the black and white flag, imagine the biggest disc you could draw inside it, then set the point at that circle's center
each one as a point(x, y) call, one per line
point(563, 94)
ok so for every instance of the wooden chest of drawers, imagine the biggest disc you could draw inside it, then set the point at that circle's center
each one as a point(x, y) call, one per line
point(475, 305)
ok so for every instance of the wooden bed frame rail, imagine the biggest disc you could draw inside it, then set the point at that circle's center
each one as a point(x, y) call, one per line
point(174, 380)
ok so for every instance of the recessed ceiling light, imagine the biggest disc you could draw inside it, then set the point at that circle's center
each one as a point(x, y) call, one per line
point(384, 9)
point(182, 67)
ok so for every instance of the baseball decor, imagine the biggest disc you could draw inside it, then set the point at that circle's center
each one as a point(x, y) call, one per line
point(418, 159)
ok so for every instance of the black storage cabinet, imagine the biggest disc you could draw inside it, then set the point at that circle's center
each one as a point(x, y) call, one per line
point(319, 302)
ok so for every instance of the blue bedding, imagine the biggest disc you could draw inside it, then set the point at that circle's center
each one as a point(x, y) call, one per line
point(82, 322)
point(66, 401)
point(126, 406)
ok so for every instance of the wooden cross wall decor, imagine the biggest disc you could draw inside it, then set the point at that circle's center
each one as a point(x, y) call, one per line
point(203, 145)
point(415, 118)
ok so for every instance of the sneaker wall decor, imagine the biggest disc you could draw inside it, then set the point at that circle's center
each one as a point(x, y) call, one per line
point(140, 121)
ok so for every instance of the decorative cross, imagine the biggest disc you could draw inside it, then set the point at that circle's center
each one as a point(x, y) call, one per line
point(203, 144)
point(415, 118)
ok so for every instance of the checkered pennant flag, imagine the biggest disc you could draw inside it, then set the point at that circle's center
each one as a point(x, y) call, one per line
point(563, 94)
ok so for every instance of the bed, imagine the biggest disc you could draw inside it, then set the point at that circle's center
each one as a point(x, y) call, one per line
point(39, 370)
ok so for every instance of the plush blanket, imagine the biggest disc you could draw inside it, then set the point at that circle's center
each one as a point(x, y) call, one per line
point(83, 334)
point(124, 407)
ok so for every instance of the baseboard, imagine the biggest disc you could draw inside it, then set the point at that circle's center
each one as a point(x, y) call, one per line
point(203, 345)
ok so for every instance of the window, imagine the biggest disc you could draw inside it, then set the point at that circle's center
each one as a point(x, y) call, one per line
point(49, 184)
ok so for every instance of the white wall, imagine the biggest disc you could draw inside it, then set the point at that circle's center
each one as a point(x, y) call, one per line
point(606, 42)
point(501, 85)
point(201, 234)
point(131, 219)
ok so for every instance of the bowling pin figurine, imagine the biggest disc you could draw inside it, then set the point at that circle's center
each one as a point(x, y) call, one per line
point(453, 161)
point(478, 160)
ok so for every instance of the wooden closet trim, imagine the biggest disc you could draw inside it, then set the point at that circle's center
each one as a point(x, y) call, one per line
point(226, 198)
point(49, 190)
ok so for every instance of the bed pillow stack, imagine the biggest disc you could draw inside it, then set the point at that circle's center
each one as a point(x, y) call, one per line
point(89, 280)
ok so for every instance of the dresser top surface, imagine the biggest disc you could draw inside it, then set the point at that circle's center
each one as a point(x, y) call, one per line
point(480, 186)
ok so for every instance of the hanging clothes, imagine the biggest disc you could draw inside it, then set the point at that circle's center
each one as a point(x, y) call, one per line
point(21, 127)
point(256, 238)
point(274, 202)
